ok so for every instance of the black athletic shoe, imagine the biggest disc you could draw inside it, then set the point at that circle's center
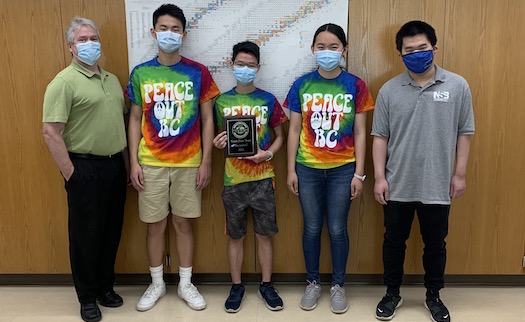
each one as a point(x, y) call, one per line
point(234, 300)
point(438, 310)
point(386, 309)
point(269, 294)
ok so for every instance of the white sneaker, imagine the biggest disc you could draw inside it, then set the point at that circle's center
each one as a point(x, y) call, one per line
point(151, 296)
point(191, 295)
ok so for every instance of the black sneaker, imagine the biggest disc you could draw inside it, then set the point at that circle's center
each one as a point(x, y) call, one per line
point(234, 300)
point(269, 295)
point(438, 310)
point(386, 309)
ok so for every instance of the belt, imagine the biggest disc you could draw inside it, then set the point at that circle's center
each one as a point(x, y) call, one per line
point(93, 156)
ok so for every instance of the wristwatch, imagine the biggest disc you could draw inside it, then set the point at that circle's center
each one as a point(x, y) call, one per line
point(362, 178)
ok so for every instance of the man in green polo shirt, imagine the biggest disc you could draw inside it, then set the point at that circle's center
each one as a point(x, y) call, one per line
point(83, 126)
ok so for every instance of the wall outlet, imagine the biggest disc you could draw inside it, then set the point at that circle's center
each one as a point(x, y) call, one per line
point(523, 262)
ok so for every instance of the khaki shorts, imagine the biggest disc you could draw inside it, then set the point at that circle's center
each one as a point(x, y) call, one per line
point(166, 187)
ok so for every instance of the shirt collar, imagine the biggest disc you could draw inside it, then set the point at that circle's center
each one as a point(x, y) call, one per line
point(86, 71)
point(438, 77)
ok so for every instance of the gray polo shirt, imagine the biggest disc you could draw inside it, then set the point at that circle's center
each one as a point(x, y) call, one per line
point(422, 125)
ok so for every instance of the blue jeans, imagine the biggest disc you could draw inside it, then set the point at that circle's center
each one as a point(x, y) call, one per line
point(325, 191)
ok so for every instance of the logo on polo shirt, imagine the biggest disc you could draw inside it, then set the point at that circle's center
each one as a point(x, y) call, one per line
point(440, 96)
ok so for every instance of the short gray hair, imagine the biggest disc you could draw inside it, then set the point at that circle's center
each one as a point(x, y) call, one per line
point(76, 23)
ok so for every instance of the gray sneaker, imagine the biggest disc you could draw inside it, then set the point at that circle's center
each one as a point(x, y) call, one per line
point(311, 294)
point(339, 303)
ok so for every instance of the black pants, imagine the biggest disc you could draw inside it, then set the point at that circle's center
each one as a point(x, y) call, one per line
point(96, 193)
point(433, 225)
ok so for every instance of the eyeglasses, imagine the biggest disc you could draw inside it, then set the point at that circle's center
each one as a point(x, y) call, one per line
point(241, 64)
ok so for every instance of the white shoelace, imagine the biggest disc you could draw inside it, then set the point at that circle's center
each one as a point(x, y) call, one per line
point(151, 289)
point(192, 291)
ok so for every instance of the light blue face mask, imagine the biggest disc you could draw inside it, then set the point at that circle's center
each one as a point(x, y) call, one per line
point(244, 75)
point(328, 60)
point(419, 62)
point(88, 52)
point(168, 41)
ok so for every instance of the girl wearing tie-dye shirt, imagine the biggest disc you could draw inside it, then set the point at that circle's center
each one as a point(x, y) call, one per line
point(326, 154)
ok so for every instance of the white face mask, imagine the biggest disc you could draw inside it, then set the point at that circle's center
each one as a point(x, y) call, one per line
point(88, 52)
point(168, 41)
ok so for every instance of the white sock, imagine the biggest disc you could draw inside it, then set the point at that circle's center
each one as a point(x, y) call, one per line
point(157, 274)
point(185, 275)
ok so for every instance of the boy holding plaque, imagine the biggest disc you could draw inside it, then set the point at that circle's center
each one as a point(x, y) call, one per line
point(249, 181)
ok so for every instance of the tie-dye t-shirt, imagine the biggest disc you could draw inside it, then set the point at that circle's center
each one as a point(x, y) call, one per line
point(268, 114)
point(328, 108)
point(170, 98)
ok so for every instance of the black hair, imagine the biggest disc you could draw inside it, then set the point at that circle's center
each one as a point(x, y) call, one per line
point(334, 29)
point(413, 28)
point(246, 47)
point(170, 10)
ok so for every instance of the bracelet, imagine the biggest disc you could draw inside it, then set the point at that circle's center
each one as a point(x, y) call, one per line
point(270, 153)
point(362, 178)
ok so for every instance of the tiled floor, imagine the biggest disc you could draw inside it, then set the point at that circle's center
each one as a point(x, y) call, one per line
point(466, 304)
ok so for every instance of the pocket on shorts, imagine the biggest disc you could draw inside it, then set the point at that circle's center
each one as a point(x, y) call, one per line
point(228, 190)
point(267, 185)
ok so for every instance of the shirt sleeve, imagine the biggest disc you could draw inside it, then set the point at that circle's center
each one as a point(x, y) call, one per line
point(125, 108)
point(364, 101)
point(133, 89)
point(278, 116)
point(208, 87)
point(57, 101)
point(380, 124)
point(293, 102)
point(466, 116)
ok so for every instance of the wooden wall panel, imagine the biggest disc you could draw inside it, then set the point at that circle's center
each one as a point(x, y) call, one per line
point(482, 44)
point(287, 244)
point(32, 203)
point(477, 39)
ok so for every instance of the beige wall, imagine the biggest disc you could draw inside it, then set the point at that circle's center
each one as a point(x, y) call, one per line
point(478, 39)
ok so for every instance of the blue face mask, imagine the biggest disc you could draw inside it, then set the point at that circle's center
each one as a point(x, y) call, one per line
point(88, 52)
point(244, 75)
point(169, 41)
point(328, 60)
point(419, 62)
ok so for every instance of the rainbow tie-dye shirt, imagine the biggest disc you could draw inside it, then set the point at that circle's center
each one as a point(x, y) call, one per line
point(170, 98)
point(268, 114)
point(328, 108)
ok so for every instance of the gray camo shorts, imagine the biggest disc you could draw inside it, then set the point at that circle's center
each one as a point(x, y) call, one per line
point(257, 195)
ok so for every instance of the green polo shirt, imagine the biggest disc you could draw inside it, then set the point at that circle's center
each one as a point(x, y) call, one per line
point(92, 108)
